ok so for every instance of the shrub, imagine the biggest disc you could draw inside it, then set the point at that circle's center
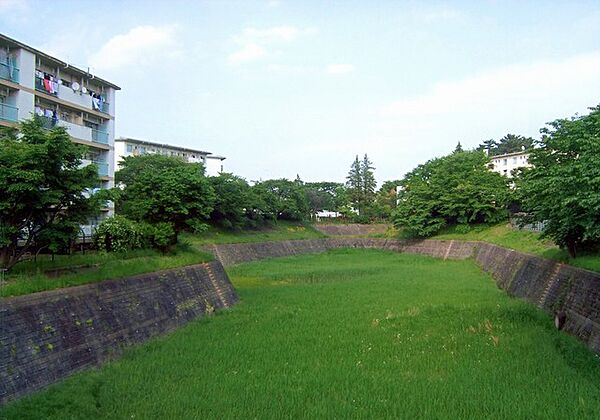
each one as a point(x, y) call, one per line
point(118, 234)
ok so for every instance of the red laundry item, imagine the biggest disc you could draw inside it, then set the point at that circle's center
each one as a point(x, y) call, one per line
point(47, 85)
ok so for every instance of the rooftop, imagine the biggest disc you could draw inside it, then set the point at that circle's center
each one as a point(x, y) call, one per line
point(16, 44)
point(164, 145)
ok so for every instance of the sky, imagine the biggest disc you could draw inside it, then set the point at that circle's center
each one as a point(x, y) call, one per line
point(286, 88)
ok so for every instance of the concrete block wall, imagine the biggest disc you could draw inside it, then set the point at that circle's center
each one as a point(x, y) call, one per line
point(47, 336)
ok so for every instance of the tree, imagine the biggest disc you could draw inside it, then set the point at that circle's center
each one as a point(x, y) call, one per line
point(454, 189)
point(44, 191)
point(325, 196)
point(164, 189)
point(510, 143)
point(283, 199)
point(235, 205)
point(387, 198)
point(361, 185)
point(562, 188)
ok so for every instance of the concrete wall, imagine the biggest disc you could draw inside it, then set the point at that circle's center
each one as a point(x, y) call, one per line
point(555, 287)
point(47, 336)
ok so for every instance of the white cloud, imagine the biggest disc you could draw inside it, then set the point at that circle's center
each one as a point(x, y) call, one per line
point(140, 46)
point(339, 68)
point(248, 52)
point(254, 43)
point(514, 87)
point(14, 6)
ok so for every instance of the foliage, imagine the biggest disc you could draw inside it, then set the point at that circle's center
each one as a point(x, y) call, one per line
point(44, 193)
point(387, 199)
point(454, 189)
point(328, 196)
point(164, 189)
point(118, 234)
point(361, 186)
point(510, 143)
point(356, 334)
point(236, 206)
point(563, 186)
point(282, 199)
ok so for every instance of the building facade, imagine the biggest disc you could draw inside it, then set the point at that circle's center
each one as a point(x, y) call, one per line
point(32, 82)
point(505, 164)
point(125, 147)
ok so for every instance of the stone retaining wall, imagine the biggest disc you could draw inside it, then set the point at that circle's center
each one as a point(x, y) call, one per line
point(555, 287)
point(353, 229)
point(47, 336)
point(230, 254)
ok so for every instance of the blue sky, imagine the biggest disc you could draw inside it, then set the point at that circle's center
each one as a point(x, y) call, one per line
point(300, 87)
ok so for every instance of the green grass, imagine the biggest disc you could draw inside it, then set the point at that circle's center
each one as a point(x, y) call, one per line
point(280, 231)
point(29, 277)
point(346, 334)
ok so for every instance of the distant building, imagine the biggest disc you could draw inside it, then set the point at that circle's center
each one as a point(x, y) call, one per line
point(505, 164)
point(133, 147)
point(33, 82)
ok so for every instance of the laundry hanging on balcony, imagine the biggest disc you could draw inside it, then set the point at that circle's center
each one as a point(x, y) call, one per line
point(97, 101)
point(48, 82)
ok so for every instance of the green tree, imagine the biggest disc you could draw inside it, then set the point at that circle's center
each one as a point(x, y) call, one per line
point(387, 198)
point(282, 199)
point(164, 189)
point(562, 188)
point(510, 143)
point(361, 186)
point(235, 204)
point(455, 189)
point(45, 194)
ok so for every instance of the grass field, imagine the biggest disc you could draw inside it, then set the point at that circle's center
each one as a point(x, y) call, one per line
point(346, 334)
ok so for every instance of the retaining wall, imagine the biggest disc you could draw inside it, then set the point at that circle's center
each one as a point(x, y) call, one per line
point(230, 254)
point(47, 336)
point(352, 229)
point(555, 287)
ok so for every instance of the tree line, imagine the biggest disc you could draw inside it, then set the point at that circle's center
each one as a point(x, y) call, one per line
point(561, 188)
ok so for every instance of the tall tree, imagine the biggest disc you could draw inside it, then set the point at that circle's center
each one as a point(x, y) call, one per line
point(361, 185)
point(454, 189)
point(283, 198)
point(44, 191)
point(562, 188)
point(510, 143)
point(164, 189)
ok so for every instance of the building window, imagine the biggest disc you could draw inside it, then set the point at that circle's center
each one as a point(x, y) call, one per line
point(504, 161)
point(514, 160)
point(129, 148)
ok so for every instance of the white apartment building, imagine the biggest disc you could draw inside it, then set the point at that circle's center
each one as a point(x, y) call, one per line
point(133, 147)
point(34, 82)
point(505, 164)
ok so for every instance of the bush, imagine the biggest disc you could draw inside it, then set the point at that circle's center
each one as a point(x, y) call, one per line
point(118, 234)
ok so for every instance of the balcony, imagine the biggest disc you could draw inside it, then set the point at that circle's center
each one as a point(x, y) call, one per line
point(80, 132)
point(8, 112)
point(99, 136)
point(39, 85)
point(102, 166)
point(10, 73)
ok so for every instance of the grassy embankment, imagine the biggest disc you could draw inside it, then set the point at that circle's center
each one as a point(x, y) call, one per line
point(520, 240)
point(346, 334)
point(29, 276)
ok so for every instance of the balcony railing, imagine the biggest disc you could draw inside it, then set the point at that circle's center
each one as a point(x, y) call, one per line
point(9, 73)
point(8, 112)
point(99, 136)
point(39, 85)
point(78, 131)
point(102, 168)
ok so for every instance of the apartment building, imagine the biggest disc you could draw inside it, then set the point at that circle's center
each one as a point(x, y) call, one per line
point(133, 147)
point(505, 164)
point(32, 81)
